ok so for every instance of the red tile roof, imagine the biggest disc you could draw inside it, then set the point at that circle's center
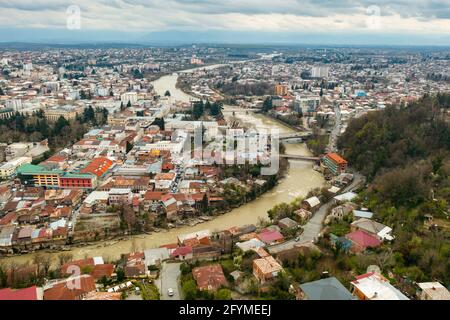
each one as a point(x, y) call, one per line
point(102, 270)
point(20, 294)
point(181, 251)
point(209, 277)
point(268, 236)
point(153, 195)
point(363, 239)
point(71, 289)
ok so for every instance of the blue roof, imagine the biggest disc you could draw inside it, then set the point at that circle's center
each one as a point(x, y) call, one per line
point(326, 289)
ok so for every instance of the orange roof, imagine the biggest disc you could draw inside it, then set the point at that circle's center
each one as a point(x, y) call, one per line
point(336, 158)
point(65, 290)
point(102, 270)
point(98, 166)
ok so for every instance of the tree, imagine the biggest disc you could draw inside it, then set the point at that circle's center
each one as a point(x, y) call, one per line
point(63, 258)
point(59, 125)
point(223, 294)
point(2, 93)
point(267, 104)
point(198, 110)
point(216, 109)
point(167, 93)
point(129, 104)
point(159, 122)
point(120, 274)
point(189, 290)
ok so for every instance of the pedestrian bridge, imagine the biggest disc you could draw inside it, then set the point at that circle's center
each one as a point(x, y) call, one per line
point(302, 135)
point(297, 157)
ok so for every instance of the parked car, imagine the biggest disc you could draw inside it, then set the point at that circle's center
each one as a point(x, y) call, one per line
point(170, 292)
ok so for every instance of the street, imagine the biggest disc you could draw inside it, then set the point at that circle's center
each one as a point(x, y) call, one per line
point(168, 278)
point(313, 227)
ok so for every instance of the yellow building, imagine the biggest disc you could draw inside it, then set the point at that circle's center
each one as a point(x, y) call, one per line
point(281, 89)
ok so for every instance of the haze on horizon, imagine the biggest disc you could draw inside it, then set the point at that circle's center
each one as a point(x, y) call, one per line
point(364, 22)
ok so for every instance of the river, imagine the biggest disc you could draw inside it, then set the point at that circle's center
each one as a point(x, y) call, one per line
point(299, 179)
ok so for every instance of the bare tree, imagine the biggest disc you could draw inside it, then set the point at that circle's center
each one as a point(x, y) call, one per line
point(63, 258)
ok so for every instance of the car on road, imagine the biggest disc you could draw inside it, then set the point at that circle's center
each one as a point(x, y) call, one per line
point(170, 292)
point(297, 239)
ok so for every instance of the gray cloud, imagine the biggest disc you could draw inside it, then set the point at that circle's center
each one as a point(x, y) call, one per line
point(270, 15)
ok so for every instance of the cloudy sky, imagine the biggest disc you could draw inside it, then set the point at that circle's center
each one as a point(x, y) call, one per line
point(299, 21)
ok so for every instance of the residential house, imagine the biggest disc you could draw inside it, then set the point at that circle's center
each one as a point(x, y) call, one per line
point(270, 237)
point(73, 288)
point(31, 293)
point(372, 227)
point(432, 291)
point(362, 240)
point(325, 289)
point(266, 269)
point(210, 277)
point(311, 204)
point(373, 286)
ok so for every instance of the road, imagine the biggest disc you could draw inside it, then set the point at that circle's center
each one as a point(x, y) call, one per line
point(313, 227)
point(332, 144)
point(169, 276)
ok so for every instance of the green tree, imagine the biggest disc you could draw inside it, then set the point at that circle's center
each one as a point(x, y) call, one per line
point(198, 110)
point(222, 294)
point(190, 289)
point(120, 274)
point(167, 93)
point(267, 104)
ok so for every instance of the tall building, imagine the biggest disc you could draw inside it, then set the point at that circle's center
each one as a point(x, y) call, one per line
point(320, 72)
point(281, 89)
point(335, 163)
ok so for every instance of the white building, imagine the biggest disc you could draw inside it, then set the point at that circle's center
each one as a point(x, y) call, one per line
point(320, 72)
point(9, 168)
point(131, 97)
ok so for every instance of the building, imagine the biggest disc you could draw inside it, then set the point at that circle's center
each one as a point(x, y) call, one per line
point(77, 181)
point(311, 204)
point(8, 169)
point(320, 72)
point(39, 176)
point(373, 286)
point(68, 112)
point(281, 89)
point(31, 293)
point(432, 291)
point(325, 289)
point(98, 166)
point(129, 97)
point(306, 105)
point(266, 269)
point(270, 237)
point(335, 163)
point(372, 227)
point(209, 278)
point(73, 288)
point(362, 241)
point(195, 60)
